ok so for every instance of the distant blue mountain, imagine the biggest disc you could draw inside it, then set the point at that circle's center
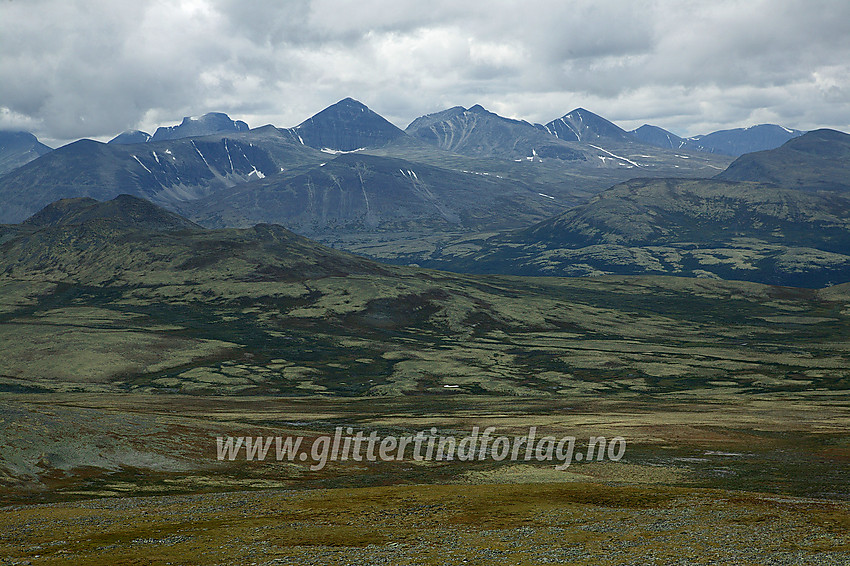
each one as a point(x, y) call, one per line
point(208, 124)
point(18, 148)
point(737, 141)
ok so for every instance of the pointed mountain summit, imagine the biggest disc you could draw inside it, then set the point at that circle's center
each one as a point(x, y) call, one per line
point(208, 124)
point(478, 132)
point(584, 126)
point(124, 210)
point(817, 160)
point(130, 137)
point(18, 148)
point(348, 125)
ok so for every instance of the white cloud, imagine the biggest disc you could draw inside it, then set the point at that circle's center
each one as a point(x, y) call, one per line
point(73, 69)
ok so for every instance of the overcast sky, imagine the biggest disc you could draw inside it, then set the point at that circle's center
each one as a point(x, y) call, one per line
point(71, 69)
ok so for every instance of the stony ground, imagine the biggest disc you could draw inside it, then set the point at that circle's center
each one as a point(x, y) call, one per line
point(575, 523)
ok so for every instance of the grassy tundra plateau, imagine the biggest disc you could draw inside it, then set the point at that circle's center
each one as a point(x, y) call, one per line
point(133, 338)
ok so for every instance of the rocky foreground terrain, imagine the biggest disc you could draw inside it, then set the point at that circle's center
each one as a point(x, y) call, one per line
point(564, 523)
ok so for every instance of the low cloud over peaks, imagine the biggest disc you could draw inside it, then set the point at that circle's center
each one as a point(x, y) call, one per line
point(93, 69)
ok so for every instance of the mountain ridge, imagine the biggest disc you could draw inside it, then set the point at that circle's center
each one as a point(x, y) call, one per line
point(124, 209)
point(128, 241)
point(784, 233)
point(505, 164)
point(814, 161)
point(17, 148)
point(735, 141)
point(477, 132)
point(166, 172)
point(205, 125)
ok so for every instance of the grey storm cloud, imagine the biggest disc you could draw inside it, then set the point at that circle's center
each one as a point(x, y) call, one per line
point(94, 68)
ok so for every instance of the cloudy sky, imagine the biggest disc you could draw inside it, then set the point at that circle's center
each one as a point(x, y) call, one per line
point(71, 69)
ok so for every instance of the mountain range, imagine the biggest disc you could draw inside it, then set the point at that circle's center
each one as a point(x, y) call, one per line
point(133, 336)
point(535, 171)
point(164, 172)
point(788, 227)
point(578, 125)
point(468, 190)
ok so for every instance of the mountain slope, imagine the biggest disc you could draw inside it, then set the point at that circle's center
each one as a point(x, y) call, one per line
point(360, 192)
point(664, 211)
point(167, 172)
point(18, 149)
point(122, 341)
point(818, 160)
point(728, 227)
point(348, 125)
point(680, 227)
point(659, 137)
